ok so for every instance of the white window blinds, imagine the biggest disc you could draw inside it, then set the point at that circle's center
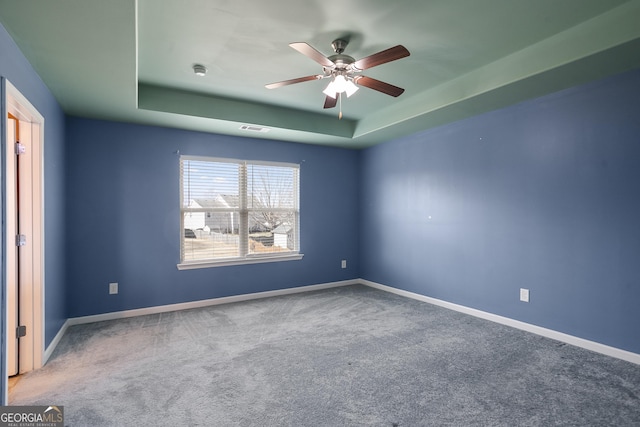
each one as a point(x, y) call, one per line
point(234, 209)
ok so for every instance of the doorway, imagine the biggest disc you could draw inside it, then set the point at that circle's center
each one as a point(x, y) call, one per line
point(24, 250)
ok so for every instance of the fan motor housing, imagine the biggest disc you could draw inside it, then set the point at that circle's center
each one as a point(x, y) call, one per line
point(342, 61)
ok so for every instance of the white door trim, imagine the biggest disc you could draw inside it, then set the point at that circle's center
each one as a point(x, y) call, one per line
point(11, 288)
point(32, 297)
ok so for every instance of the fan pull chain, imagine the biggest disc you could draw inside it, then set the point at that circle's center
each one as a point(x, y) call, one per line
point(340, 101)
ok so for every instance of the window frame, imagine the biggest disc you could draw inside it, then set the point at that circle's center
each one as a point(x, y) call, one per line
point(242, 211)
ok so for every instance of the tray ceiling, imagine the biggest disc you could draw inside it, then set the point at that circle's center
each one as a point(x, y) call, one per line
point(132, 60)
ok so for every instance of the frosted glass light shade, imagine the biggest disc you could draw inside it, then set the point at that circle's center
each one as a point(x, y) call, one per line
point(330, 90)
point(339, 85)
point(350, 88)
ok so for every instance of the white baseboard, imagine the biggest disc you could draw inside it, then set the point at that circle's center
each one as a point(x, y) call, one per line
point(206, 303)
point(54, 343)
point(549, 333)
point(184, 306)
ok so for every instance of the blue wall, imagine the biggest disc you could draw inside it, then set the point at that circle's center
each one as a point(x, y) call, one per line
point(123, 217)
point(543, 195)
point(15, 68)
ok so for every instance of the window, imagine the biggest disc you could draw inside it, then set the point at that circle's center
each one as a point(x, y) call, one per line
point(237, 212)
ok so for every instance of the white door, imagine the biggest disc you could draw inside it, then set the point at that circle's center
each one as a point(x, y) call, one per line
point(20, 264)
point(24, 235)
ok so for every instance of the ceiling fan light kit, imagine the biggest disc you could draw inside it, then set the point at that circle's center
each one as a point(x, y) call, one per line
point(344, 71)
point(340, 84)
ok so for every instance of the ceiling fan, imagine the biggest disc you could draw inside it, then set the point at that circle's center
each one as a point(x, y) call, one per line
point(345, 71)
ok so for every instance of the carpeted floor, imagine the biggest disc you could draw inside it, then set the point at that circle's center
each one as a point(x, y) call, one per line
point(351, 356)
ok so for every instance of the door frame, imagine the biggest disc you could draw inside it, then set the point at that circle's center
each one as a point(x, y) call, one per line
point(31, 298)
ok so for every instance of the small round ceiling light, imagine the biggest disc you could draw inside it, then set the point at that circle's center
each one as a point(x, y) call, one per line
point(200, 70)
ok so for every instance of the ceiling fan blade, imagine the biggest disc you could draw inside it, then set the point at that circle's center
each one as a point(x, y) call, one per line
point(378, 85)
point(388, 55)
point(312, 53)
point(330, 102)
point(293, 81)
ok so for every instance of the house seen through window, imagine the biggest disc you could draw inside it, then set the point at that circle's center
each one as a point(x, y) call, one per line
point(235, 210)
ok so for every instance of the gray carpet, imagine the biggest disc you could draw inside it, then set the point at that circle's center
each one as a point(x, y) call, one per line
point(351, 356)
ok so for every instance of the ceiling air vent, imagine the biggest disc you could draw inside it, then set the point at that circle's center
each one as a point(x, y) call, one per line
point(251, 128)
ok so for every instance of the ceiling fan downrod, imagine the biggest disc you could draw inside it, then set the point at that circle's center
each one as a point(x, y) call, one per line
point(339, 45)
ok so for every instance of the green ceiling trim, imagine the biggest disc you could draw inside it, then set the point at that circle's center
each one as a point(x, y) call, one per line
point(604, 32)
point(619, 59)
point(169, 100)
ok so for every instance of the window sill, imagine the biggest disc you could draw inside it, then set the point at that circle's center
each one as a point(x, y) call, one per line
point(238, 261)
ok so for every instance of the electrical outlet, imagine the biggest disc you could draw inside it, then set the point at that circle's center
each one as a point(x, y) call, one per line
point(344, 263)
point(113, 288)
point(524, 295)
